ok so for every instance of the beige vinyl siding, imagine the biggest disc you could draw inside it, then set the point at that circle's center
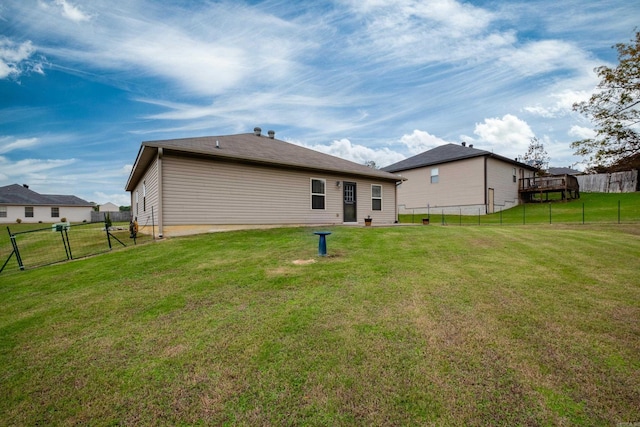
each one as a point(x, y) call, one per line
point(459, 183)
point(500, 178)
point(145, 210)
point(199, 191)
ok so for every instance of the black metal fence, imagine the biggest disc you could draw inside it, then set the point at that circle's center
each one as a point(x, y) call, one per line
point(576, 212)
point(64, 241)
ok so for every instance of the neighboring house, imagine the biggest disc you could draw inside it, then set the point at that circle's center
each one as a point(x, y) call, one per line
point(459, 179)
point(212, 183)
point(18, 202)
point(108, 207)
point(563, 171)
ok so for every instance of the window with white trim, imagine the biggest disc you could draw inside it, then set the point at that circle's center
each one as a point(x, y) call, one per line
point(144, 196)
point(55, 212)
point(318, 193)
point(376, 197)
point(3, 211)
point(28, 211)
point(435, 177)
point(514, 175)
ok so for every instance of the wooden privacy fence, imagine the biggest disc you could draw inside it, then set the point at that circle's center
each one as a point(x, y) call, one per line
point(617, 182)
point(117, 216)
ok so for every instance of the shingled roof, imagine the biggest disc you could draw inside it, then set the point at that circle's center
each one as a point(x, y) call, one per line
point(445, 154)
point(252, 149)
point(19, 195)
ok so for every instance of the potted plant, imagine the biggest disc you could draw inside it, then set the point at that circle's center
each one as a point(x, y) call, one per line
point(367, 221)
point(425, 221)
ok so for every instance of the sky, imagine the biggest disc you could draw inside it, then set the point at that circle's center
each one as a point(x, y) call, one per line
point(84, 83)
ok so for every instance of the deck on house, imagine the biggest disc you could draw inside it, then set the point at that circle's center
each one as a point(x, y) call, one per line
point(566, 185)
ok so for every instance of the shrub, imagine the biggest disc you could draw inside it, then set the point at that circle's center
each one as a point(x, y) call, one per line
point(18, 220)
point(63, 219)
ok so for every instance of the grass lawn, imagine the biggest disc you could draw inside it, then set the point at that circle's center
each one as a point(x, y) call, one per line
point(590, 208)
point(407, 325)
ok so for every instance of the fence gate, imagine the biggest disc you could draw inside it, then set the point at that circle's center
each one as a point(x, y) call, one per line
point(60, 242)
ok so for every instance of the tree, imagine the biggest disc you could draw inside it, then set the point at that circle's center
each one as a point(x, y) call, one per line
point(371, 164)
point(614, 109)
point(537, 156)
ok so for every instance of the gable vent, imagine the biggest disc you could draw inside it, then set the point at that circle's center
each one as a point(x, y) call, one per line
point(257, 131)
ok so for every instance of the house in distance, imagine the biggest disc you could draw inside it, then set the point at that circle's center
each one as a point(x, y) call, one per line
point(18, 202)
point(456, 178)
point(215, 183)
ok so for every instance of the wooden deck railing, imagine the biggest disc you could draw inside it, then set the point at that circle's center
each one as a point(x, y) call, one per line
point(565, 184)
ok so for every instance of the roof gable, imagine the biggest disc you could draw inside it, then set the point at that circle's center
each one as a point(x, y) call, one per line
point(20, 195)
point(255, 149)
point(445, 154)
point(441, 154)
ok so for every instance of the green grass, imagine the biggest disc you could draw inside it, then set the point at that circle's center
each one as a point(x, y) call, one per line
point(589, 209)
point(397, 326)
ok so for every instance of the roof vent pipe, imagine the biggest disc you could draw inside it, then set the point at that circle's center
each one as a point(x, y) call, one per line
point(257, 131)
point(470, 145)
point(464, 144)
point(217, 144)
point(272, 134)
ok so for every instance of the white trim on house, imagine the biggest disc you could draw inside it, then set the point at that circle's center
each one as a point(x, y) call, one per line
point(323, 194)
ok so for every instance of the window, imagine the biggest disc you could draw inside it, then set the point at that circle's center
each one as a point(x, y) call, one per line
point(317, 193)
point(376, 197)
point(28, 212)
point(137, 211)
point(55, 212)
point(514, 175)
point(434, 176)
point(144, 196)
point(3, 211)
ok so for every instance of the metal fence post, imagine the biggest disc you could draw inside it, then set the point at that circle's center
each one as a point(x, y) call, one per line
point(106, 229)
point(618, 211)
point(15, 249)
point(153, 224)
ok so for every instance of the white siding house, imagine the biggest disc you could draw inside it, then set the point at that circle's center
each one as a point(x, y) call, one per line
point(18, 202)
point(455, 178)
point(250, 180)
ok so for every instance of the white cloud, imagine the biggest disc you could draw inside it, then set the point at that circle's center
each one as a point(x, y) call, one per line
point(563, 104)
point(118, 199)
point(205, 50)
point(16, 144)
point(544, 56)
point(509, 136)
point(580, 132)
point(344, 149)
point(420, 141)
point(418, 31)
point(72, 12)
point(13, 56)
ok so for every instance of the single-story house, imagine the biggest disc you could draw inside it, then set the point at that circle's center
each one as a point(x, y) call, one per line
point(19, 202)
point(213, 183)
point(108, 207)
point(563, 171)
point(456, 178)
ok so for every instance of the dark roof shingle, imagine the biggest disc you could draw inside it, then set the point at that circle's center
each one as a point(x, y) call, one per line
point(248, 147)
point(445, 154)
point(16, 194)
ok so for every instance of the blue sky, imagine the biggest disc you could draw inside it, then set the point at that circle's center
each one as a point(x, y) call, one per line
point(83, 83)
